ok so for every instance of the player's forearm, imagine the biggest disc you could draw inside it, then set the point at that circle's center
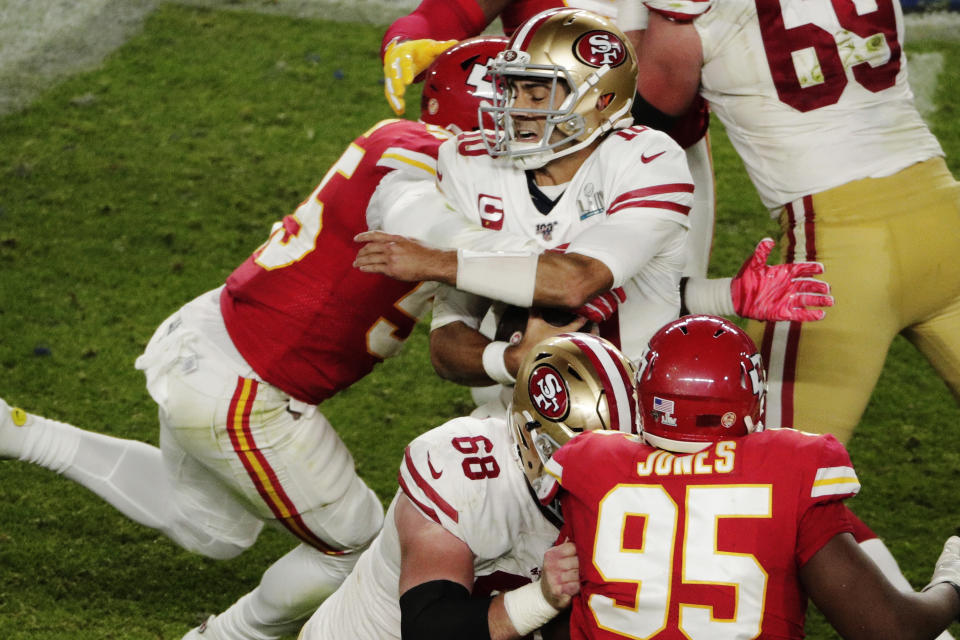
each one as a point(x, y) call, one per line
point(498, 622)
point(707, 295)
point(519, 612)
point(907, 616)
point(568, 280)
point(563, 280)
point(456, 352)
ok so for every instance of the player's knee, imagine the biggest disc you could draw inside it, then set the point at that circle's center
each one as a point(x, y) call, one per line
point(201, 534)
point(351, 522)
point(365, 520)
point(205, 545)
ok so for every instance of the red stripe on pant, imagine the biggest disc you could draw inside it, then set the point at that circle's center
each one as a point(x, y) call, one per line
point(800, 215)
point(259, 469)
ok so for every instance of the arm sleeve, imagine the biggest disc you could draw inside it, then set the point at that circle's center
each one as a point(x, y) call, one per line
point(650, 194)
point(679, 10)
point(627, 241)
point(429, 475)
point(407, 204)
point(443, 610)
point(437, 475)
point(406, 200)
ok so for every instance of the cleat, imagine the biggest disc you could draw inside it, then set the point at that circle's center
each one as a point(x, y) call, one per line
point(203, 632)
point(11, 433)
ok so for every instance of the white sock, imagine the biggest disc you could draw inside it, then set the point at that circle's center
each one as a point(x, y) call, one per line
point(881, 556)
point(291, 589)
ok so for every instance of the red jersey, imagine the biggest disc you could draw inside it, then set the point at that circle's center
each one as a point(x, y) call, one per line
point(297, 310)
point(702, 545)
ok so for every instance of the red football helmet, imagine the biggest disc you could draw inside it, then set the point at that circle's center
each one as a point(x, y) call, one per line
point(700, 380)
point(457, 83)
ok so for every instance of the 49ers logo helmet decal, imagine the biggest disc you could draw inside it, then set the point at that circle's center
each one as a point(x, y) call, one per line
point(598, 48)
point(549, 393)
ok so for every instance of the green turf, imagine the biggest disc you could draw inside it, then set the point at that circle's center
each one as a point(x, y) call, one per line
point(126, 191)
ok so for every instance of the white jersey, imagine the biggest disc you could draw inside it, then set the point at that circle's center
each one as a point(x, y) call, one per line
point(464, 475)
point(807, 102)
point(627, 206)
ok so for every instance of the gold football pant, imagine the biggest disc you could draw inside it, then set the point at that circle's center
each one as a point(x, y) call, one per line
point(891, 253)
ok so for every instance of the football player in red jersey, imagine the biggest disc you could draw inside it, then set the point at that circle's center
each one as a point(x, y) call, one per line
point(829, 134)
point(238, 373)
point(709, 526)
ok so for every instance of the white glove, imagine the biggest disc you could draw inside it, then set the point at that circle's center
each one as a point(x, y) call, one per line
point(947, 568)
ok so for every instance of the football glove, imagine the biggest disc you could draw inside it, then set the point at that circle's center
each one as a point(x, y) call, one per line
point(403, 61)
point(779, 292)
point(601, 307)
point(947, 568)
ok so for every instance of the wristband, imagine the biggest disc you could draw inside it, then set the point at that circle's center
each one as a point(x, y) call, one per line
point(527, 608)
point(508, 276)
point(709, 295)
point(494, 365)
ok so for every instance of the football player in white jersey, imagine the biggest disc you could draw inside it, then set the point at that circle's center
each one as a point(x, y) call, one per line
point(564, 169)
point(466, 524)
point(815, 98)
point(411, 41)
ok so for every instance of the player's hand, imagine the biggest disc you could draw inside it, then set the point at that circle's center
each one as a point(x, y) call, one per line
point(405, 60)
point(779, 292)
point(947, 568)
point(536, 330)
point(600, 308)
point(560, 575)
point(404, 258)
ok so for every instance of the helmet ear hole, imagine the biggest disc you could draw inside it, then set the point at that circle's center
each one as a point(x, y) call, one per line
point(604, 101)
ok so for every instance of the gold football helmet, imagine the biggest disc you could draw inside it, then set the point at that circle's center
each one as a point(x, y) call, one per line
point(569, 383)
point(584, 57)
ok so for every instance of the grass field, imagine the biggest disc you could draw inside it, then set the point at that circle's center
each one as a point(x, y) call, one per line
point(126, 191)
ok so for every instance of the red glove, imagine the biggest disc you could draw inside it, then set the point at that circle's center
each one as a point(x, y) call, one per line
point(779, 292)
point(600, 308)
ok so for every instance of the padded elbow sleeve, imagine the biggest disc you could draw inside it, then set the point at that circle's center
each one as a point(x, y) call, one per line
point(443, 610)
point(648, 115)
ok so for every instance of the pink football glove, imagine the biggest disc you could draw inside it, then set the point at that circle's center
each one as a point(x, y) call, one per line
point(779, 292)
point(601, 307)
